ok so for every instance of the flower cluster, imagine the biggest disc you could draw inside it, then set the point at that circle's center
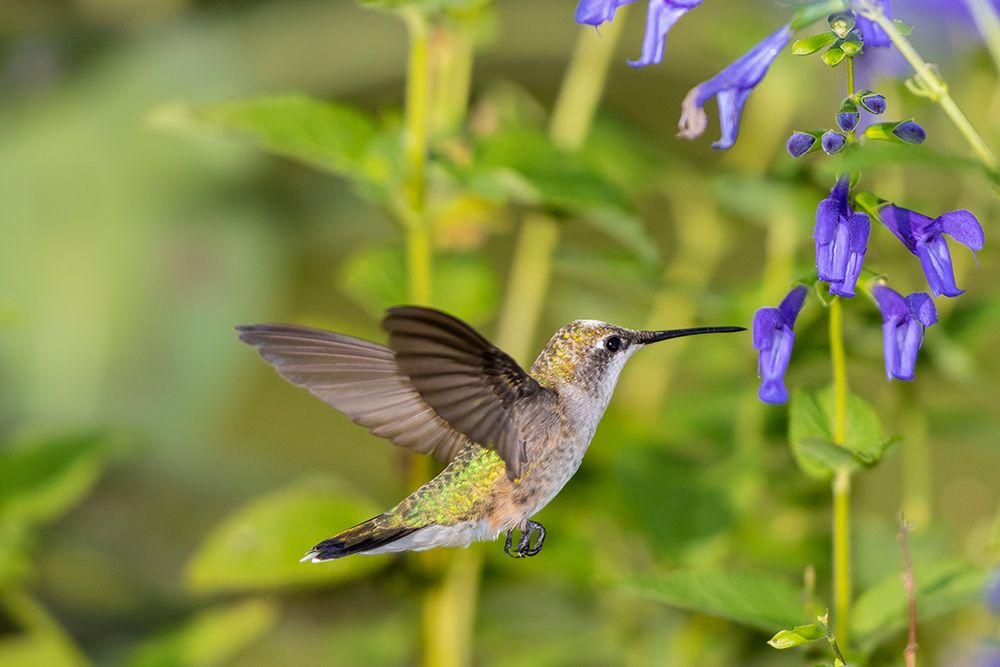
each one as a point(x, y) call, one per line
point(842, 232)
point(843, 219)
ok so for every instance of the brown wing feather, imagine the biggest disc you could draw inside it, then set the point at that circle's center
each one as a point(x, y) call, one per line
point(478, 389)
point(360, 379)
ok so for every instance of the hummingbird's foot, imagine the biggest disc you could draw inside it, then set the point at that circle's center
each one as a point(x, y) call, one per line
point(524, 548)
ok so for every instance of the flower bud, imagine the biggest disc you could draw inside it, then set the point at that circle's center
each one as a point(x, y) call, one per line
point(841, 24)
point(848, 116)
point(871, 102)
point(910, 132)
point(833, 142)
point(801, 143)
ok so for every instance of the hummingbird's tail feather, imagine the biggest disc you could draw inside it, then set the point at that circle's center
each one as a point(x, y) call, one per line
point(367, 537)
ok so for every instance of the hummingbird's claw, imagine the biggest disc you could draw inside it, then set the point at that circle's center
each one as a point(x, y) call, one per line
point(524, 548)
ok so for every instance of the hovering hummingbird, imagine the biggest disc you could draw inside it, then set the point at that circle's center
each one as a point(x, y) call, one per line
point(511, 439)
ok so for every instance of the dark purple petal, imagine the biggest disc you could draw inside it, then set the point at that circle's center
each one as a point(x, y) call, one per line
point(596, 12)
point(859, 227)
point(731, 103)
point(909, 336)
point(765, 321)
point(873, 103)
point(792, 304)
point(935, 258)
point(891, 303)
point(848, 120)
point(890, 349)
point(902, 223)
point(833, 142)
point(830, 234)
point(773, 364)
point(964, 228)
point(839, 193)
point(921, 305)
point(660, 18)
point(800, 143)
point(910, 132)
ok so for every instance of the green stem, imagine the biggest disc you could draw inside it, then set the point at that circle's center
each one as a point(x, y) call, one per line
point(572, 117)
point(988, 23)
point(842, 480)
point(850, 87)
point(29, 614)
point(936, 88)
point(418, 245)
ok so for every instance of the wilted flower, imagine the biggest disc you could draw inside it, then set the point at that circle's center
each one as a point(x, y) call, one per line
point(841, 237)
point(731, 87)
point(660, 17)
point(773, 338)
point(924, 237)
point(903, 326)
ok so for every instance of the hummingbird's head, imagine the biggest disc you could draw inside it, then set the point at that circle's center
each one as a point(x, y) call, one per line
point(590, 354)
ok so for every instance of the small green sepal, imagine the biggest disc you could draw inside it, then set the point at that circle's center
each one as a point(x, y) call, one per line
point(810, 45)
point(903, 27)
point(852, 44)
point(834, 55)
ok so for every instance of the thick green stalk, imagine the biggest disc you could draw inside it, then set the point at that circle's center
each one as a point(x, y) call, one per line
point(572, 117)
point(418, 245)
point(937, 90)
point(841, 481)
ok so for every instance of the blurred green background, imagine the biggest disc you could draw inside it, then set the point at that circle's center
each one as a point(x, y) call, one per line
point(158, 480)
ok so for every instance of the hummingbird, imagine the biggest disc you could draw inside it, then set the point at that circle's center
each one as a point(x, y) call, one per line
point(510, 439)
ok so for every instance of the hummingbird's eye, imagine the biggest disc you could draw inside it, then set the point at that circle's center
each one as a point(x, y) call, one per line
point(612, 343)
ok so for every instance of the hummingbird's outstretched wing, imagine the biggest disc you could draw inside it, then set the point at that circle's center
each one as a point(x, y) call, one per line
point(359, 378)
point(473, 385)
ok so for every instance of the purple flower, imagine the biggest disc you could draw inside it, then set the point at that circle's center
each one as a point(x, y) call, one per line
point(841, 240)
point(872, 34)
point(660, 18)
point(872, 102)
point(596, 12)
point(992, 592)
point(903, 326)
point(731, 87)
point(924, 237)
point(773, 338)
point(910, 132)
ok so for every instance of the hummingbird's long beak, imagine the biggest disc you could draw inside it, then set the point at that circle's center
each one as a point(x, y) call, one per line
point(647, 337)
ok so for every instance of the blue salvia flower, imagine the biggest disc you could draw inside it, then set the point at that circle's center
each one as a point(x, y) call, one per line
point(924, 237)
point(731, 87)
point(904, 321)
point(872, 34)
point(841, 237)
point(661, 16)
point(773, 338)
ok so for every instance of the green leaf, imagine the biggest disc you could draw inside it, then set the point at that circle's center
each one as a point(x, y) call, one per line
point(834, 55)
point(40, 480)
point(34, 650)
point(881, 611)
point(758, 600)
point(464, 284)
point(810, 45)
point(328, 136)
point(797, 636)
point(259, 546)
point(210, 638)
point(903, 27)
point(810, 430)
point(812, 12)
